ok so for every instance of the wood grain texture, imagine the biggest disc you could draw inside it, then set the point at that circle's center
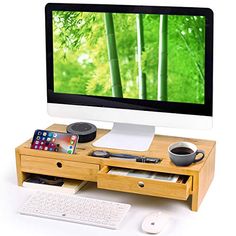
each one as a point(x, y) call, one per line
point(20, 176)
point(202, 180)
point(57, 167)
point(85, 167)
point(150, 187)
point(157, 149)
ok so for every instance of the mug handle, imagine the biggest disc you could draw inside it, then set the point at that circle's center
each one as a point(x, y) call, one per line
point(198, 152)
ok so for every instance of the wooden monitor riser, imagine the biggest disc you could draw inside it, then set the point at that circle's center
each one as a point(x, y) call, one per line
point(81, 166)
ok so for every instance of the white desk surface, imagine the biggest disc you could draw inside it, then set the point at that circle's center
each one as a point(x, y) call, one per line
point(183, 220)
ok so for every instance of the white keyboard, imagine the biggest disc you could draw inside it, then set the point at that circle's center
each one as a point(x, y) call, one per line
point(76, 209)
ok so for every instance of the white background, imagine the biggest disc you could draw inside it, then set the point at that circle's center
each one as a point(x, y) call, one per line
point(23, 109)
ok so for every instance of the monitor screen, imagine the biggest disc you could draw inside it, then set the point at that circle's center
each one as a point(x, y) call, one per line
point(82, 64)
point(129, 57)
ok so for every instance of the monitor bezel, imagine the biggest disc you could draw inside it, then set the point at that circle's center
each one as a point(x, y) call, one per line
point(205, 109)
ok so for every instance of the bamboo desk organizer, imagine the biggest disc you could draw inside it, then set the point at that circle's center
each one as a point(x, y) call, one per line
point(81, 166)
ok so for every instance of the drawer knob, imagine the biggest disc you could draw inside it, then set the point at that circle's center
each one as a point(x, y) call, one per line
point(141, 184)
point(59, 165)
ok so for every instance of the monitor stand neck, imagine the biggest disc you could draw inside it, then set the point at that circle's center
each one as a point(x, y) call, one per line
point(127, 137)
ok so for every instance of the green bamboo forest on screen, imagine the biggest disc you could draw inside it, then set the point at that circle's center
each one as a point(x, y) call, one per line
point(137, 56)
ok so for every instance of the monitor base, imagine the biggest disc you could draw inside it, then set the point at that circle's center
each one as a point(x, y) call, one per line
point(127, 137)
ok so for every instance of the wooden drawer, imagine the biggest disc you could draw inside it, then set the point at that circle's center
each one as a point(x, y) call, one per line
point(60, 168)
point(144, 186)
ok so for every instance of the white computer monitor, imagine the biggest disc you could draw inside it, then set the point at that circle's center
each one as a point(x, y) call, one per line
point(136, 66)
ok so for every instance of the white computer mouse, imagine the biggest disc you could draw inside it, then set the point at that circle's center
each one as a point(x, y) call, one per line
point(155, 222)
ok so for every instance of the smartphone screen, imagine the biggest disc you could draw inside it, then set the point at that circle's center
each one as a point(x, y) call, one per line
point(54, 141)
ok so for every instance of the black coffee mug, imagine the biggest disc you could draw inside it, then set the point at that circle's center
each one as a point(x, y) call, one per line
point(184, 153)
